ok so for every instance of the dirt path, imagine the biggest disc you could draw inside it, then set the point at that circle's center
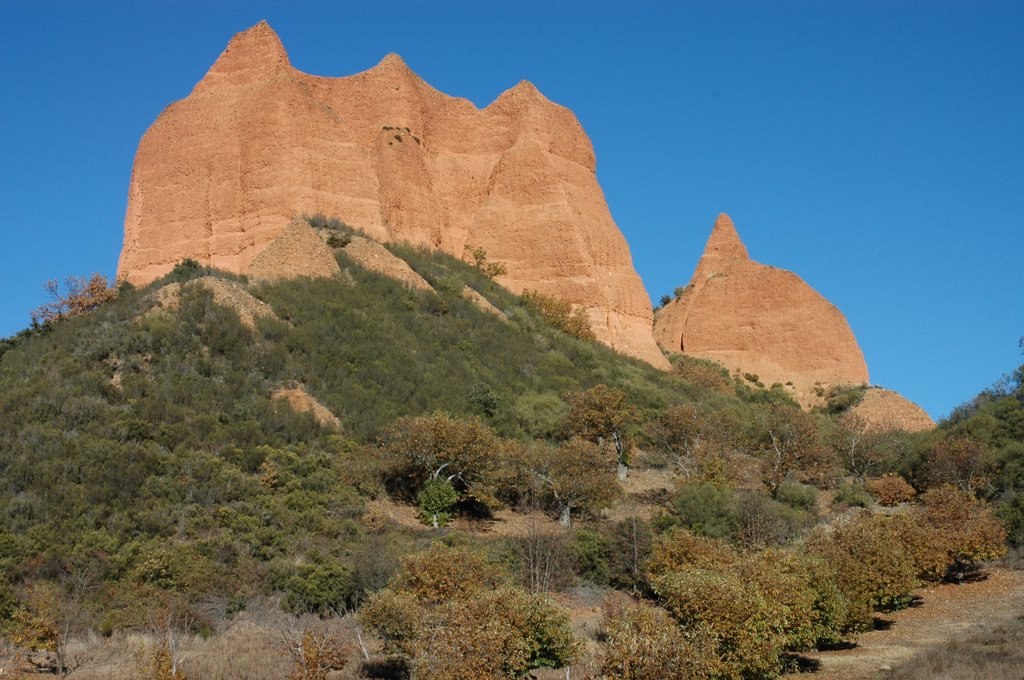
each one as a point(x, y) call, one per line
point(944, 613)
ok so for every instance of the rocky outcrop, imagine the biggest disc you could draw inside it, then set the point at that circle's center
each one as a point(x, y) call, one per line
point(882, 409)
point(375, 257)
point(230, 294)
point(301, 401)
point(220, 173)
point(482, 303)
point(760, 320)
point(297, 252)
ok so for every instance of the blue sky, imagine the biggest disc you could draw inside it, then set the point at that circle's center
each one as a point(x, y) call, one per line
point(875, 148)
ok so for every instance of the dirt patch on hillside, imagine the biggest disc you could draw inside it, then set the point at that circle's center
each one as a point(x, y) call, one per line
point(943, 614)
point(301, 401)
point(226, 293)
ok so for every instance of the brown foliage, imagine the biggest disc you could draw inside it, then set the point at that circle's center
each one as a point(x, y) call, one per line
point(80, 295)
point(697, 437)
point(790, 445)
point(738, 617)
point(955, 532)
point(463, 451)
point(891, 490)
point(682, 549)
point(872, 565)
point(602, 415)
point(448, 613)
point(704, 374)
point(642, 642)
point(576, 474)
point(316, 650)
point(960, 461)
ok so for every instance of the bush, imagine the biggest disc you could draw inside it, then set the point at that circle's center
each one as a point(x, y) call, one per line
point(852, 494)
point(320, 589)
point(797, 496)
point(682, 549)
point(874, 568)
point(960, 532)
point(450, 603)
point(558, 313)
point(706, 509)
point(891, 490)
point(436, 500)
point(748, 635)
point(642, 642)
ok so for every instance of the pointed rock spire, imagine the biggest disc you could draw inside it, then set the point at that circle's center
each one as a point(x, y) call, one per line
point(724, 241)
point(253, 54)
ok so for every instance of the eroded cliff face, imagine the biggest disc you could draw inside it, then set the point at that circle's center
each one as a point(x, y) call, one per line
point(757, 319)
point(220, 174)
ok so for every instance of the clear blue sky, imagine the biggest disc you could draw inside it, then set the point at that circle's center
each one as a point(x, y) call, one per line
point(875, 148)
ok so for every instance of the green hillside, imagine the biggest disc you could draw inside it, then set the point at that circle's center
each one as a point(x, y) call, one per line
point(144, 465)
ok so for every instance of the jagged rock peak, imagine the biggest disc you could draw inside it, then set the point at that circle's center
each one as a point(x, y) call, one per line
point(393, 62)
point(250, 55)
point(724, 241)
point(218, 175)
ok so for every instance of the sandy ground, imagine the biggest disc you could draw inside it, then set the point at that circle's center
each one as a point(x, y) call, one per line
point(942, 614)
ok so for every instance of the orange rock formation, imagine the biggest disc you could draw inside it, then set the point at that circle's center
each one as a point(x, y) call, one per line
point(757, 319)
point(882, 409)
point(219, 175)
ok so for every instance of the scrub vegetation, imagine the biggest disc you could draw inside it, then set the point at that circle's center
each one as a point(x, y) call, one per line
point(151, 487)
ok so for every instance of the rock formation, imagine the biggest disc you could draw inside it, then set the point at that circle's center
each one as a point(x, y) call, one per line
point(377, 258)
point(225, 293)
point(882, 409)
point(219, 175)
point(298, 251)
point(760, 320)
point(301, 401)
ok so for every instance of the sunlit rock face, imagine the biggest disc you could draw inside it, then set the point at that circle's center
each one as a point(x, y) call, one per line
point(220, 174)
point(760, 320)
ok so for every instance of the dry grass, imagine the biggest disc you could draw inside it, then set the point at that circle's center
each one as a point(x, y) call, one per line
point(995, 653)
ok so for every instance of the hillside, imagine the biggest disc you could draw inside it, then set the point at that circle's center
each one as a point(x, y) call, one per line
point(155, 487)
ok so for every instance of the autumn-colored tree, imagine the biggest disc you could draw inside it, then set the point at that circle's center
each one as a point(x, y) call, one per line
point(682, 549)
point(749, 638)
point(559, 314)
point(873, 567)
point(891, 490)
point(50, 616)
point(462, 452)
point(956, 531)
point(643, 642)
point(449, 613)
point(603, 415)
point(696, 437)
point(77, 295)
point(960, 461)
point(576, 474)
point(800, 595)
point(790, 444)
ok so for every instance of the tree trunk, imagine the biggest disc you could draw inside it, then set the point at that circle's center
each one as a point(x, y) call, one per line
point(623, 471)
point(565, 519)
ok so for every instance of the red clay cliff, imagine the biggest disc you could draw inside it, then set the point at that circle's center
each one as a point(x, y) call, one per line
point(760, 320)
point(220, 174)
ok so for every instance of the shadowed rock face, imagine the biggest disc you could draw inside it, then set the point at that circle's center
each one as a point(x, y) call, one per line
point(219, 175)
point(761, 320)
